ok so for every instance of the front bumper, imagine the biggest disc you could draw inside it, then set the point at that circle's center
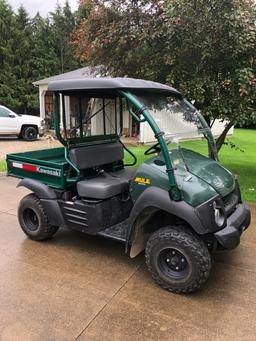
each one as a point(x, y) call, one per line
point(41, 131)
point(237, 223)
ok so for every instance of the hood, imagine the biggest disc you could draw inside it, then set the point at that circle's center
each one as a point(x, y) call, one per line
point(30, 119)
point(210, 171)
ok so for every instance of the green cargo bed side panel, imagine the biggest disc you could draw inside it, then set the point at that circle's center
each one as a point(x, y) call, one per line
point(47, 166)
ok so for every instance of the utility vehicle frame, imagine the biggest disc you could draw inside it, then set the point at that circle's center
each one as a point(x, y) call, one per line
point(179, 206)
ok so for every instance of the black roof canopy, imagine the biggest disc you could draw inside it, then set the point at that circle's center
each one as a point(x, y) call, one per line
point(109, 84)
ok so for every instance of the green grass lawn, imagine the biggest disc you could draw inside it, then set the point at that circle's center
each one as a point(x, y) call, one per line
point(2, 166)
point(241, 163)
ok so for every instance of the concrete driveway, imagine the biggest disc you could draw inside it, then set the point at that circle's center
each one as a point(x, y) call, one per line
point(78, 287)
point(10, 145)
point(14, 145)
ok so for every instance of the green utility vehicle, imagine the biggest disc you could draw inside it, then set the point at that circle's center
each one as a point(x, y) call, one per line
point(179, 205)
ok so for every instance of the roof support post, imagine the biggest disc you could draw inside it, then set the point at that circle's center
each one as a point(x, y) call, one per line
point(56, 103)
point(174, 190)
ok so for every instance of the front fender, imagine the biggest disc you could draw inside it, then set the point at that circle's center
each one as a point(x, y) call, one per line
point(159, 199)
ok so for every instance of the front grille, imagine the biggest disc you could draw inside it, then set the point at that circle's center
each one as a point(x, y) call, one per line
point(230, 201)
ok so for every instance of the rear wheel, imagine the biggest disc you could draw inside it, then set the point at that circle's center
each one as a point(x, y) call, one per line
point(29, 133)
point(177, 259)
point(33, 220)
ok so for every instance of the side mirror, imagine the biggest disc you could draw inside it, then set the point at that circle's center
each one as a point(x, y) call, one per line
point(12, 115)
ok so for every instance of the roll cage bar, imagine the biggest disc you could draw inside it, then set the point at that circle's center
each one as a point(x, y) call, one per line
point(141, 115)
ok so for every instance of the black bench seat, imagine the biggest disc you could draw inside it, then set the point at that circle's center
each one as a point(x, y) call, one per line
point(105, 185)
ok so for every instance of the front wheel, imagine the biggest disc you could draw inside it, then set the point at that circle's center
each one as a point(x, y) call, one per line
point(33, 219)
point(29, 134)
point(177, 259)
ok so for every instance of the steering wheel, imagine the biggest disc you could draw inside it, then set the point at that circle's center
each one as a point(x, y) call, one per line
point(153, 149)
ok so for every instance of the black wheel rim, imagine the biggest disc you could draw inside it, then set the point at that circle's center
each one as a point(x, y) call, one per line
point(173, 264)
point(31, 219)
point(31, 134)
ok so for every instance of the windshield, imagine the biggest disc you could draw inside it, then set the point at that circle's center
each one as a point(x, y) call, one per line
point(183, 126)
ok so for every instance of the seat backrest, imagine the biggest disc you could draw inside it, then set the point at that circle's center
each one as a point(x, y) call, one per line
point(96, 155)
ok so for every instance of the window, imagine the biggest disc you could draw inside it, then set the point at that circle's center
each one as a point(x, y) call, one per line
point(93, 116)
point(4, 112)
point(49, 110)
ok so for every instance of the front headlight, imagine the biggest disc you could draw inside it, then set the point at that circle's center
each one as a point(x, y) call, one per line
point(212, 214)
point(218, 214)
point(42, 123)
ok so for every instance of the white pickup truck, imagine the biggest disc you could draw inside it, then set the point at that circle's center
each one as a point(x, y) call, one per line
point(24, 126)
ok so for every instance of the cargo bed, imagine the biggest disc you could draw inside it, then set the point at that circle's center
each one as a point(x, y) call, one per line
point(49, 166)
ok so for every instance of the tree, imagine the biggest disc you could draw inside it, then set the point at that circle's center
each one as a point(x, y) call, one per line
point(117, 34)
point(8, 33)
point(215, 57)
point(63, 24)
point(204, 48)
point(22, 68)
point(44, 57)
point(31, 49)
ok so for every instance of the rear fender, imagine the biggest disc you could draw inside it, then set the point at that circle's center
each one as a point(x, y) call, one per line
point(153, 200)
point(42, 191)
point(48, 199)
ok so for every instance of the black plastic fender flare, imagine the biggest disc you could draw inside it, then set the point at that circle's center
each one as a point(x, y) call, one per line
point(42, 191)
point(48, 198)
point(159, 199)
